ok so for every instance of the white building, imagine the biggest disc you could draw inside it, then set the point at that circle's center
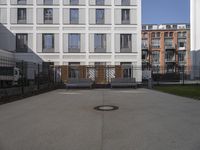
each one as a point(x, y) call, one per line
point(86, 32)
point(195, 37)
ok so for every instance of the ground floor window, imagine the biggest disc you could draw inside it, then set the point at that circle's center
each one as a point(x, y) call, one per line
point(74, 71)
point(127, 69)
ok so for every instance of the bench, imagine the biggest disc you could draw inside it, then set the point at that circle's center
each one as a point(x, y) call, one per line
point(123, 82)
point(79, 83)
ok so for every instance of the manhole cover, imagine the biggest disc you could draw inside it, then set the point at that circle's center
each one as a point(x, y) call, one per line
point(106, 108)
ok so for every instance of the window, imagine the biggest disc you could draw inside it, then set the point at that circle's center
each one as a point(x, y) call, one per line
point(21, 2)
point(144, 44)
point(74, 16)
point(48, 2)
point(182, 43)
point(100, 43)
point(144, 55)
point(21, 15)
point(48, 43)
point(125, 16)
point(125, 2)
point(21, 43)
point(74, 43)
point(169, 42)
point(155, 43)
point(125, 43)
point(74, 71)
point(155, 57)
point(48, 15)
point(99, 2)
point(181, 56)
point(74, 2)
point(169, 55)
point(182, 34)
point(99, 16)
point(127, 69)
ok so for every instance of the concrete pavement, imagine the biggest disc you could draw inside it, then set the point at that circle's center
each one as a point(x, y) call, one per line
point(66, 120)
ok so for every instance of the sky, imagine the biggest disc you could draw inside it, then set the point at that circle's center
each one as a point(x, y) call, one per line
point(165, 11)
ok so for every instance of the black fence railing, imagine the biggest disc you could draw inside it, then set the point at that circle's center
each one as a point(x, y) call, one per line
point(22, 78)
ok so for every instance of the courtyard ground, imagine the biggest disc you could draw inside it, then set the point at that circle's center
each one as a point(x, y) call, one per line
point(66, 120)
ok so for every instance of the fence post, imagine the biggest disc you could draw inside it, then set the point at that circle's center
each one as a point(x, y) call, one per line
point(22, 77)
point(38, 82)
point(183, 75)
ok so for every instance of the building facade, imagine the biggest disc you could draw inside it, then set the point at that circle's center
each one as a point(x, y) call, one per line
point(84, 32)
point(195, 37)
point(166, 47)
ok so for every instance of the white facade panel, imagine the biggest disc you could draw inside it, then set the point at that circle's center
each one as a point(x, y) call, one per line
point(117, 16)
point(13, 15)
point(65, 43)
point(29, 15)
point(3, 15)
point(40, 14)
point(55, 16)
point(66, 16)
point(108, 16)
point(92, 16)
point(39, 43)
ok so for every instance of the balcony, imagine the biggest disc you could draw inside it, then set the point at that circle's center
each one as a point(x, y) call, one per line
point(170, 59)
point(182, 48)
point(170, 46)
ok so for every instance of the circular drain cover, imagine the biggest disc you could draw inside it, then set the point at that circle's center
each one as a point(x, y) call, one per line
point(106, 108)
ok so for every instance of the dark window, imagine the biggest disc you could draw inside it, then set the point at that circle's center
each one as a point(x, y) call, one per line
point(48, 2)
point(99, 2)
point(21, 43)
point(100, 43)
point(74, 16)
point(48, 15)
point(125, 16)
point(48, 43)
point(181, 56)
point(74, 43)
point(21, 15)
point(125, 43)
point(155, 57)
point(21, 2)
point(74, 71)
point(127, 69)
point(74, 2)
point(125, 2)
point(99, 16)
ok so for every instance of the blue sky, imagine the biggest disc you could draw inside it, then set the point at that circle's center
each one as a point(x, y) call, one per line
point(165, 11)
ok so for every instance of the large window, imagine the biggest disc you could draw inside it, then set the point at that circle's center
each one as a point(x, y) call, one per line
point(155, 43)
point(99, 16)
point(125, 16)
point(74, 71)
point(169, 56)
point(125, 43)
point(181, 56)
point(127, 69)
point(21, 43)
point(21, 2)
point(74, 43)
point(125, 2)
point(21, 15)
point(48, 43)
point(48, 2)
point(99, 2)
point(156, 57)
point(168, 43)
point(100, 43)
point(74, 2)
point(48, 15)
point(74, 16)
point(182, 43)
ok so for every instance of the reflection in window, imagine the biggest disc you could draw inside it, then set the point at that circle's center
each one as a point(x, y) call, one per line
point(74, 43)
point(48, 15)
point(100, 43)
point(48, 43)
point(125, 43)
point(74, 16)
point(99, 16)
point(125, 16)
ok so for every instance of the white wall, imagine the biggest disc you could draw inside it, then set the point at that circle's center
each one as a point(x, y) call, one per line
point(195, 37)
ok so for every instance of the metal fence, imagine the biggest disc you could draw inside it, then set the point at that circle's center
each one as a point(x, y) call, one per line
point(21, 78)
point(174, 75)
